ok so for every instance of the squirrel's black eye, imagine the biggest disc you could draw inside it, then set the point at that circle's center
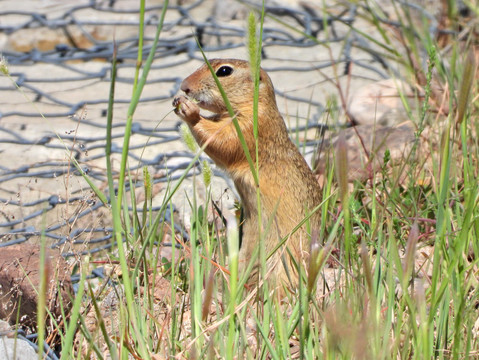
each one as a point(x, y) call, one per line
point(224, 71)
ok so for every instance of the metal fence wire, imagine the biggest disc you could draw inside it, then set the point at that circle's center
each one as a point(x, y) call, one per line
point(53, 106)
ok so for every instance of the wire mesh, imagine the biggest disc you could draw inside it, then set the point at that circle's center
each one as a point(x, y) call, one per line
point(59, 58)
point(53, 107)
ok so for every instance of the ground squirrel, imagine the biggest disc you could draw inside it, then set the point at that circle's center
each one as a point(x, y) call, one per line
point(287, 185)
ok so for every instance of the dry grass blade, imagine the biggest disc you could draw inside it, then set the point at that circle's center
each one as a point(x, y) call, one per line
point(316, 260)
point(466, 86)
point(342, 166)
point(413, 237)
point(367, 269)
point(208, 294)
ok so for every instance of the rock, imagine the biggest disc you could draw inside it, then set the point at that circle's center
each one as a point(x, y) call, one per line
point(366, 147)
point(20, 281)
point(10, 346)
point(380, 103)
point(46, 39)
point(21, 348)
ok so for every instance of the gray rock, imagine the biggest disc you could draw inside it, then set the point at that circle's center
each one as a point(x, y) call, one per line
point(13, 349)
point(366, 146)
point(20, 348)
point(380, 103)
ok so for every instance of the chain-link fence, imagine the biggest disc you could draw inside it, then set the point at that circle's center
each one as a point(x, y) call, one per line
point(59, 57)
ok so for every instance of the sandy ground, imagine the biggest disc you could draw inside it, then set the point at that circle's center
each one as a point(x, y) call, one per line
point(304, 78)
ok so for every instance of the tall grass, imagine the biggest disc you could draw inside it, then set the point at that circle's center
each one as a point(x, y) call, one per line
point(366, 294)
point(371, 303)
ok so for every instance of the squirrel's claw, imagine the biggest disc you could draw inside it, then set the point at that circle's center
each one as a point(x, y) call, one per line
point(186, 109)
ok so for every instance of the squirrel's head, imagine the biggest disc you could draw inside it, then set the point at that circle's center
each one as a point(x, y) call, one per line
point(235, 77)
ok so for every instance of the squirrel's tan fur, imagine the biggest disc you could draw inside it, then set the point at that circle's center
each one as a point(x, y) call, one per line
point(287, 185)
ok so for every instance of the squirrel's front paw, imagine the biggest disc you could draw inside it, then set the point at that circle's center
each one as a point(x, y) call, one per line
point(186, 109)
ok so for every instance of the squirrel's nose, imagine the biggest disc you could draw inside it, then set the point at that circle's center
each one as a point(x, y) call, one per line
point(185, 87)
